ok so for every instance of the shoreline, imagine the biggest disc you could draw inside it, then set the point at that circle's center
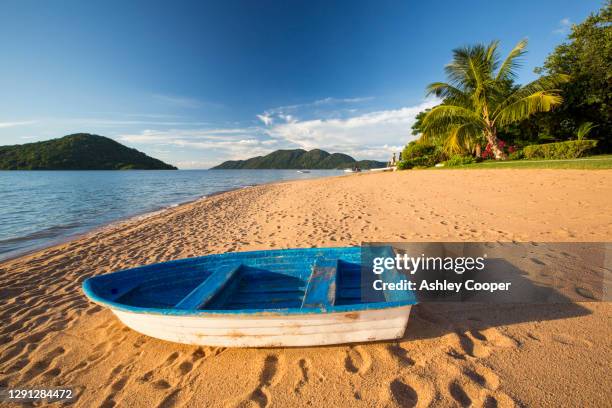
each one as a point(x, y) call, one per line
point(124, 221)
point(104, 227)
point(132, 218)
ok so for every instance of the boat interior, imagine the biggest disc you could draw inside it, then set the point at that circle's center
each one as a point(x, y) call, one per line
point(315, 279)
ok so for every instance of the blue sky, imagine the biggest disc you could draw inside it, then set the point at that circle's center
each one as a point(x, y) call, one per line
point(196, 83)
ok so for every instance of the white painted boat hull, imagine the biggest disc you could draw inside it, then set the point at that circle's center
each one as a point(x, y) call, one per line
point(267, 330)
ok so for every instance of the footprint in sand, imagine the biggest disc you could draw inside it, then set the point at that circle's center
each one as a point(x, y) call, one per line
point(270, 375)
point(357, 360)
point(305, 367)
point(472, 346)
point(495, 337)
point(481, 343)
point(261, 395)
point(476, 385)
point(459, 394)
point(41, 366)
point(198, 354)
point(161, 385)
point(171, 400)
point(411, 391)
point(403, 394)
point(401, 354)
point(483, 376)
point(185, 367)
point(114, 387)
point(469, 394)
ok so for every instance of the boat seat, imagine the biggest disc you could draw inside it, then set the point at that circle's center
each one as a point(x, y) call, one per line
point(321, 289)
point(206, 290)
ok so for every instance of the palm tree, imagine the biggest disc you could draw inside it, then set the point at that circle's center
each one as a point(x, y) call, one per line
point(480, 97)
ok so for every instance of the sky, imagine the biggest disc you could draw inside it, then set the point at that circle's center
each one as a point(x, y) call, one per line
point(197, 83)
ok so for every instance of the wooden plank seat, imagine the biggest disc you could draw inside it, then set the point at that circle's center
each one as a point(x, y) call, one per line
point(321, 289)
point(206, 290)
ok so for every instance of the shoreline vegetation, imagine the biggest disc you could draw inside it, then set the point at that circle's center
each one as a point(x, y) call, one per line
point(72, 341)
point(484, 115)
point(596, 162)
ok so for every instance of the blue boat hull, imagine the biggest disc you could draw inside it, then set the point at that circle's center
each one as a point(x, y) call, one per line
point(295, 297)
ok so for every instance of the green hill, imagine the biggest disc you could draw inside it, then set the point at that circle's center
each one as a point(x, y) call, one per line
point(81, 151)
point(300, 159)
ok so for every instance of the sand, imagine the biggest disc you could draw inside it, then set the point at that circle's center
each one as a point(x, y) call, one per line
point(452, 354)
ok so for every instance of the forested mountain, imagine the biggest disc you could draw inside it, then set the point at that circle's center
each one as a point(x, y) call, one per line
point(300, 159)
point(81, 151)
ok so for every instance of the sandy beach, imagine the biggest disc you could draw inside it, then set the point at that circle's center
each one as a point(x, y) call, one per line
point(452, 354)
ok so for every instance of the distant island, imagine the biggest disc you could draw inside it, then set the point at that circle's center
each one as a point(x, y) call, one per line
point(80, 151)
point(300, 159)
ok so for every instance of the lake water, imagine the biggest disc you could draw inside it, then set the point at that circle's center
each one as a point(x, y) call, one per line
point(39, 208)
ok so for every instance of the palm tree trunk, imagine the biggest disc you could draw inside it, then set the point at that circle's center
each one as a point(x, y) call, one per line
point(491, 136)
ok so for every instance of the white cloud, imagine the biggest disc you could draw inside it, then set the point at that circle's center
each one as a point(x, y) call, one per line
point(287, 113)
point(13, 124)
point(223, 144)
point(564, 26)
point(373, 134)
point(265, 118)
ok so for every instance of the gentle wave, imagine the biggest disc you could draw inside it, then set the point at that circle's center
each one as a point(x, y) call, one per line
point(50, 232)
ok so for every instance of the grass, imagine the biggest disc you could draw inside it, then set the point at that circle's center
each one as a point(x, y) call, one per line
point(603, 161)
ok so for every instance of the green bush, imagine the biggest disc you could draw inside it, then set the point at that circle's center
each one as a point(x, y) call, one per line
point(564, 150)
point(404, 165)
point(416, 149)
point(417, 154)
point(458, 160)
point(517, 155)
point(424, 161)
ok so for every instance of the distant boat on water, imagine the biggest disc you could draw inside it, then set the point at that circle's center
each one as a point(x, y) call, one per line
point(276, 298)
point(303, 171)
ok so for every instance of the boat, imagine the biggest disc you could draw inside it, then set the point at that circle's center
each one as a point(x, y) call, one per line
point(274, 298)
point(303, 171)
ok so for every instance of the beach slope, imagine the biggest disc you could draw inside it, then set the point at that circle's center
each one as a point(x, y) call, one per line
point(506, 355)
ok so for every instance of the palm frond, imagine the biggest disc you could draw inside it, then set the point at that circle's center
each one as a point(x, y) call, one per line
point(512, 62)
point(443, 116)
point(584, 129)
point(548, 83)
point(443, 90)
point(449, 123)
point(542, 101)
point(448, 92)
point(468, 67)
point(459, 138)
point(492, 52)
